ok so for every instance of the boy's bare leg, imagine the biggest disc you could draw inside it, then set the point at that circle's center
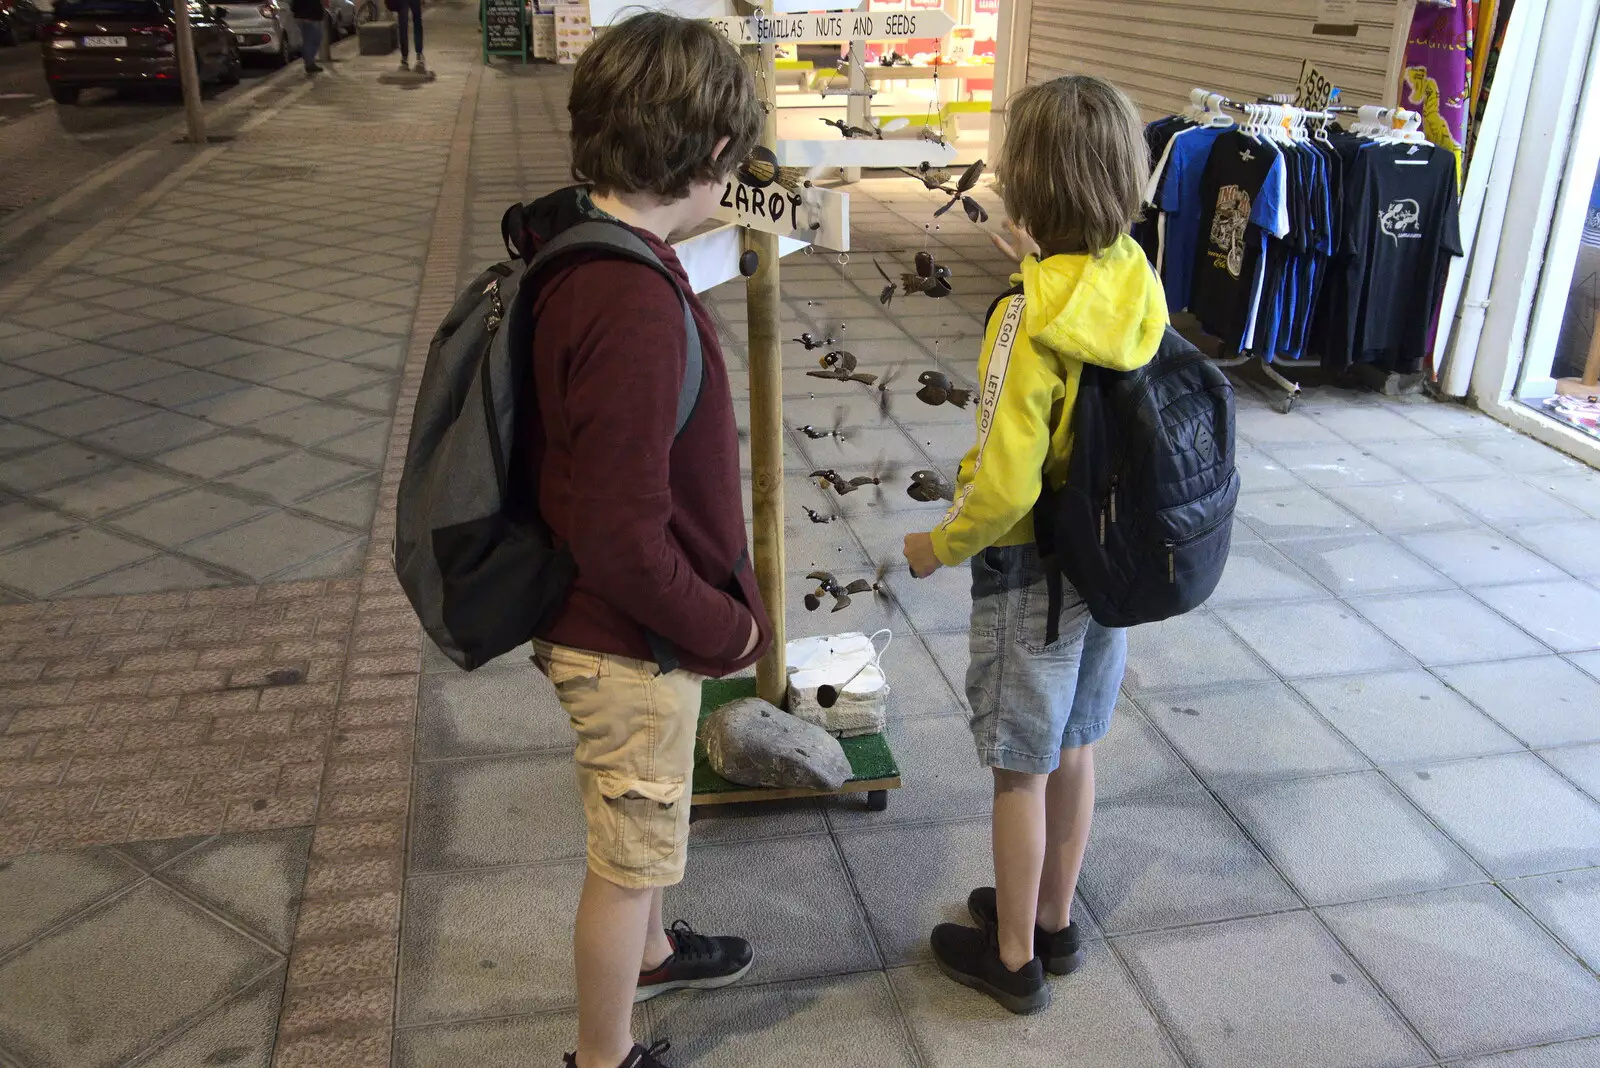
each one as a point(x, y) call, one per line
point(1069, 810)
point(607, 949)
point(657, 947)
point(1019, 853)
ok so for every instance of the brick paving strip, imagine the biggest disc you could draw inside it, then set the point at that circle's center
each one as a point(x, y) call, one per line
point(246, 708)
point(339, 1005)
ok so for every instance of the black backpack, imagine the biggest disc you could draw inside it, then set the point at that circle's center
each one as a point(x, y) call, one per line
point(1142, 525)
point(482, 570)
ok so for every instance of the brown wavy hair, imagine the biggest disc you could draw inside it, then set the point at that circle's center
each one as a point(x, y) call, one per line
point(1073, 164)
point(651, 97)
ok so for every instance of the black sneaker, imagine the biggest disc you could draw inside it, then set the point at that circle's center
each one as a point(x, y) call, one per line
point(1061, 952)
point(698, 962)
point(971, 958)
point(639, 1058)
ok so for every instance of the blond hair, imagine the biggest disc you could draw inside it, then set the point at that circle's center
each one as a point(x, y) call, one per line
point(650, 100)
point(1073, 166)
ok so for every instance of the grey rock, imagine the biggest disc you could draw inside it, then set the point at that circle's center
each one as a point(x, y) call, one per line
point(753, 743)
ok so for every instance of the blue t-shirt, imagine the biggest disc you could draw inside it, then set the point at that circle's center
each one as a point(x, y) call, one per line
point(1180, 199)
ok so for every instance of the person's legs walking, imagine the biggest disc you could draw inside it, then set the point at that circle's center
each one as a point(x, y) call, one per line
point(416, 23)
point(405, 35)
point(310, 44)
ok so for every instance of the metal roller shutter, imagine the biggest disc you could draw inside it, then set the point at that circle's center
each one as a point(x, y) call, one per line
point(1158, 50)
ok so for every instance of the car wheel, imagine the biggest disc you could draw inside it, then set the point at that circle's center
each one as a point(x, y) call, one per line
point(64, 94)
point(282, 58)
point(233, 70)
point(10, 37)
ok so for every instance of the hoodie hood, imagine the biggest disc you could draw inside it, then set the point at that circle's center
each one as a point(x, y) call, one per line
point(530, 225)
point(1108, 310)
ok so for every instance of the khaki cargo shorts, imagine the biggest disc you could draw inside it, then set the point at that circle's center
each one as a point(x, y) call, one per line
point(635, 756)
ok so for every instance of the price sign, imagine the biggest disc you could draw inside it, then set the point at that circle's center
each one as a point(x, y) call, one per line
point(824, 27)
point(1314, 90)
point(503, 28)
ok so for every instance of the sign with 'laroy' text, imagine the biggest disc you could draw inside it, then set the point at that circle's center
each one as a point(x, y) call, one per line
point(811, 214)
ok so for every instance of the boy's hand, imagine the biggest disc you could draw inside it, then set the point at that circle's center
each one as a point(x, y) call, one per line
point(755, 639)
point(920, 555)
point(1019, 245)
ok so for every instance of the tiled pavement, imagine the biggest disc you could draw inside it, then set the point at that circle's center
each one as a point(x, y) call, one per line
point(1350, 810)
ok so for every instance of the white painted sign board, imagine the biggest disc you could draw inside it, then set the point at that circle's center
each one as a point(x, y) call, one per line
point(775, 210)
point(864, 152)
point(824, 27)
point(712, 258)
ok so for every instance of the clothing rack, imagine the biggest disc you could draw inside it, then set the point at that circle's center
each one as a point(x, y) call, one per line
point(1207, 105)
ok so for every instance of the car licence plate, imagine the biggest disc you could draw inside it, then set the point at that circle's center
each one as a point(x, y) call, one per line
point(105, 42)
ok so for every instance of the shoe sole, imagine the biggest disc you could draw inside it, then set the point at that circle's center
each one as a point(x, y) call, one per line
point(644, 994)
point(1022, 1006)
point(1054, 965)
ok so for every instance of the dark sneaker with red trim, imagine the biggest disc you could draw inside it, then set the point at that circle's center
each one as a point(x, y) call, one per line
point(698, 962)
point(1061, 952)
point(971, 958)
point(639, 1058)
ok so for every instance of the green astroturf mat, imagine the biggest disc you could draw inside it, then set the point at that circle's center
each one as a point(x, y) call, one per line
point(869, 755)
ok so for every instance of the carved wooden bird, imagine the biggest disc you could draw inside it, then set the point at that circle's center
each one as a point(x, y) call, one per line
point(839, 365)
point(937, 389)
point(930, 277)
point(969, 179)
point(830, 479)
point(929, 486)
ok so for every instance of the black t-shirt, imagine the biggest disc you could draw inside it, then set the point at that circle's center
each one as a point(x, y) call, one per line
point(1402, 229)
point(1146, 227)
point(1242, 195)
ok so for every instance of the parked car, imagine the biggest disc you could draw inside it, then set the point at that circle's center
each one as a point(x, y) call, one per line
point(119, 43)
point(342, 14)
point(19, 21)
point(264, 28)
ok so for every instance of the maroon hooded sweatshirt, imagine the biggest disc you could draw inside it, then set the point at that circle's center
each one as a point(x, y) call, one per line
point(655, 525)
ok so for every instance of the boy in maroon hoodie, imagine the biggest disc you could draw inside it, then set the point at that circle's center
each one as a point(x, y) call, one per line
point(662, 110)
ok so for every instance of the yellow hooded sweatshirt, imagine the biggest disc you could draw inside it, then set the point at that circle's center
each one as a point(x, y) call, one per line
point(1108, 310)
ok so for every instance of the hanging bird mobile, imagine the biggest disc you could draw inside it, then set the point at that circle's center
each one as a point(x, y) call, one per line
point(875, 131)
point(969, 179)
point(930, 176)
point(882, 389)
point(929, 486)
point(937, 389)
point(930, 278)
point(828, 586)
point(812, 342)
point(837, 433)
point(839, 365)
point(816, 516)
point(831, 479)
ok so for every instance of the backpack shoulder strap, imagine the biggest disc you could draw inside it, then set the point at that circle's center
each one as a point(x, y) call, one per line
point(1013, 291)
point(616, 240)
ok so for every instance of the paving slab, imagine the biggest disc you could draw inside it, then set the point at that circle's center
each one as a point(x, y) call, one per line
point(1470, 970)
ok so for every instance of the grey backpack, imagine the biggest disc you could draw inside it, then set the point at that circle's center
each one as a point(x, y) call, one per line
point(483, 572)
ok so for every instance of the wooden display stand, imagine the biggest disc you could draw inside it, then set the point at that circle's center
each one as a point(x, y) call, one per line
point(772, 224)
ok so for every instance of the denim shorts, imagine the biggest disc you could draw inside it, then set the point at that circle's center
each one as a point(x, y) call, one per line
point(1031, 700)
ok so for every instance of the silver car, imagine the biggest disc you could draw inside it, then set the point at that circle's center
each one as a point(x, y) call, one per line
point(264, 28)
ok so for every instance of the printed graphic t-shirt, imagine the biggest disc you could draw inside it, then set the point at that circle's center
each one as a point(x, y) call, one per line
point(1403, 229)
point(1242, 198)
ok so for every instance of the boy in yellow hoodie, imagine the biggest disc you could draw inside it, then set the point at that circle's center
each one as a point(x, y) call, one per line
point(1070, 172)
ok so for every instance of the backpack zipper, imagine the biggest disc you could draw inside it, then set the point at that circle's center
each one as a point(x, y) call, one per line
point(1172, 546)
